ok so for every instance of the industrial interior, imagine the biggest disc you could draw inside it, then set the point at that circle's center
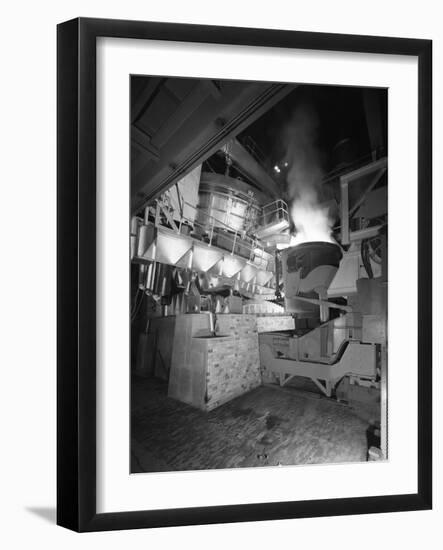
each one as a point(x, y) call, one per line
point(258, 244)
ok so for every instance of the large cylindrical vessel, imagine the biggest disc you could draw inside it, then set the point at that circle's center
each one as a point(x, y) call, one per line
point(307, 271)
point(226, 203)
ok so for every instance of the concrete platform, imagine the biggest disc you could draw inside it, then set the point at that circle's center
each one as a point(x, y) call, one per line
point(266, 427)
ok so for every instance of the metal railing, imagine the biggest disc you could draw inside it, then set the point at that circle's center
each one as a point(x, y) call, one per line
point(216, 232)
point(233, 239)
point(274, 212)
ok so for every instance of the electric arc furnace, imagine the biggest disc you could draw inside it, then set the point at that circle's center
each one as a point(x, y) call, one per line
point(332, 341)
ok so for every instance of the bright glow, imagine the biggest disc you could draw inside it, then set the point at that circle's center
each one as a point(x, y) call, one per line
point(311, 220)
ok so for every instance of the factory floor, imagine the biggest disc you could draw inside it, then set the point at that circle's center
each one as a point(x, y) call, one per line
point(267, 426)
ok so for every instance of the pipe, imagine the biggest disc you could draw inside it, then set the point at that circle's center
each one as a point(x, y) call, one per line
point(277, 275)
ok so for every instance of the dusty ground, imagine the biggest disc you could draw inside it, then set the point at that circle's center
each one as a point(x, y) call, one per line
point(267, 426)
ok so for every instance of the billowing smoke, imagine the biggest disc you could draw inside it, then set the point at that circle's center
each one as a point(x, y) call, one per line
point(311, 221)
point(305, 174)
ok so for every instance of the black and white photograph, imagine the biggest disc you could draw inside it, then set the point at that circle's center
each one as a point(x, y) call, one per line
point(259, 280)
point(221, 283)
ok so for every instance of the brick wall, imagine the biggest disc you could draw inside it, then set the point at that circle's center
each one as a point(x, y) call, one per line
point(207, 372)
point(233, 363)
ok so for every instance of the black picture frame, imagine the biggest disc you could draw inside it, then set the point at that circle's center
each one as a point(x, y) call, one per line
point(76, 273)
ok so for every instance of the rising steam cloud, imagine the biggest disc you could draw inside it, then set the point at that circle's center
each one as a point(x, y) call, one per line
point(305, 174)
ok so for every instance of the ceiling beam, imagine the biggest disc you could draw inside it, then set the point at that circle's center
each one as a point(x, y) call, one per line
point(253, 169)
point(212, 124)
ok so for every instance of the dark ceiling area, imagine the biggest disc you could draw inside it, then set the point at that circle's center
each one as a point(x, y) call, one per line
point(177, 124)
point(337, 128)
point(252, 131)
point(338, 112)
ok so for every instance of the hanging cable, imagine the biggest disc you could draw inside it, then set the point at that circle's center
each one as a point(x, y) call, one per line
point(134, 304)
point(134, 307)
point(134, 315)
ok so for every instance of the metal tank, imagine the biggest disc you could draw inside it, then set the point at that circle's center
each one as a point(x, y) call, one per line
point(226, 203)
point(307, 271)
